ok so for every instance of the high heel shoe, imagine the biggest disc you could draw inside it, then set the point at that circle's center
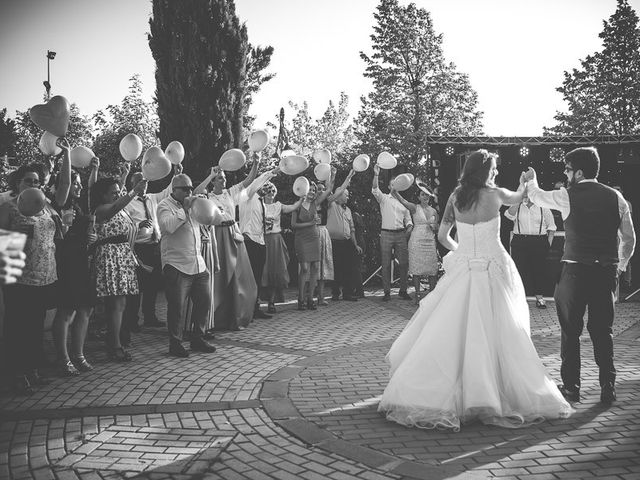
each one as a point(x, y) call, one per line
point(67, 368)
point(81, 364)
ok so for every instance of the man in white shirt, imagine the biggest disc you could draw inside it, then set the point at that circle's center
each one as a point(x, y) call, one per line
point(184, 269)
point(533, 230)
point(396, 230)
point(599, 241)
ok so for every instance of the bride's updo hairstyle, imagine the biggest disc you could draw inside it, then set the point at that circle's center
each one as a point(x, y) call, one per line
point(475, 176)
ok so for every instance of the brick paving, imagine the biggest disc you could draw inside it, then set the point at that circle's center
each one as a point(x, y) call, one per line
point(295, 397)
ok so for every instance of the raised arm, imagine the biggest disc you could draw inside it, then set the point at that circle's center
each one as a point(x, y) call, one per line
point(508, 197)
point(448, 221)
point(124, 173)
point(327, 191)
point(259, 182)
point(253, 173)
point(105, 212)
point(293, 207)
point(203, 186)
point(340, 190)
point(408, 205)
point(93, 174)
point(63, 184)
point(177, 170)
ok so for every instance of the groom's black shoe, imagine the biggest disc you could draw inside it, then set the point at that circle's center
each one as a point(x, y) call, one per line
point(404, 295)
point(569, 395)
point(608, 395)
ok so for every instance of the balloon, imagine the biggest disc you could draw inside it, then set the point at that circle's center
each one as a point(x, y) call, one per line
point(301, 186)
point(48, 144)
point(402, 182)
point(322, 156)
point(52, 116)
point(387, 161)
point(155, 165)
point(175, 152)
point(287, 152)
point(81, 157)
point(204, 211)
point(130, 147)
point(31, 201)
point(293, 164)
point(361, 162)
point(232, 160)
point(258, 140)
point(322, 171)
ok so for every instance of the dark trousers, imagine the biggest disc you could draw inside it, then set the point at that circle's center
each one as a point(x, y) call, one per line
point(394, 243)
point(257, 256)
point(179, 288)
point(529, 253)
point(150, 284)
point(345, 258)
point(583, 286)
point(25, 312)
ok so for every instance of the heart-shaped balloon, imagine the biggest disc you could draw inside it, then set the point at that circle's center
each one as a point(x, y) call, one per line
point(387, 161)
point(175, 152)
point(130, 147)
point(31, 201)
point(232, 160)
point(48, 145)
point(155, 165)
point(322, 156)
point(52, 116)
point(301, 186)
point(322, 171)
point(293, 164)
point(204, 211)
point(361, 162)
point(258, 140)
point(81, 156)
point(402, 182)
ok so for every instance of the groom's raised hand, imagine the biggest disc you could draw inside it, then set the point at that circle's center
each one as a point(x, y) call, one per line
point(530, 174)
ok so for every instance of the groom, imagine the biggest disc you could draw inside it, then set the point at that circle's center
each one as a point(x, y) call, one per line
point(593, 215)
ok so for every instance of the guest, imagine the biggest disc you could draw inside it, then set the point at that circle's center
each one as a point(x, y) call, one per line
point(423, 251)
point(533, 230)
point(307, 245)
point(27, 300)
point(396, 229)
point(184, 268)
point(143, 212)
point(343, 240)
point(235, 289)
point(76, 293)
point(114, 264)
point(275, 276)
point(325, 266)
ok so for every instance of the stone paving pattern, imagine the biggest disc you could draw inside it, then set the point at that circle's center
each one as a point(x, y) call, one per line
point(295, 397)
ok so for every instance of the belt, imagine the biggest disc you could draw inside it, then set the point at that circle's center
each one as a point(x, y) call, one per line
point(530, 235)
point(109, 240)
point(398, 230)
point(227, 223)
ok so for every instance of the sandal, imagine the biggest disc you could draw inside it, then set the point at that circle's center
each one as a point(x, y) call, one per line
point(301, 305)
point(120, 355)
point(271, 308)
point(67, 369)
point(81, 364)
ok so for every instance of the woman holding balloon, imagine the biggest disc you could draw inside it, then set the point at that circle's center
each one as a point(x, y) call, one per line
point(113, 263)
point(27, 300)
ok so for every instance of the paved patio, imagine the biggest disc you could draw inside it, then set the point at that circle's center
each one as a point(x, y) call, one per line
point(295, 397)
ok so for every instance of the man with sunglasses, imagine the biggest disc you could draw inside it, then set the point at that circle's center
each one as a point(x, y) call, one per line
point(184, 268)
point(599, 241)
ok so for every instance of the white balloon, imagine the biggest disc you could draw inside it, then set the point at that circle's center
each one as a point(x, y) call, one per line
point(155, 165)
point(258, 140)
point(301, 186)
point(361, 162)
point(387, 161)
point(402, 182)
point(175, 152)
point(130, 147)
point(293, 164)
point(322, 156)
point(204, 211)
point(81, 157)
point(48, 145)
point(287, 153)
point(232, 160)
point(322, 171)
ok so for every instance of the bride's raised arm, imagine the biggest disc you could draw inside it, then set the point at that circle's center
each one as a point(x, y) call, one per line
point(508, 197)
point(448, 221)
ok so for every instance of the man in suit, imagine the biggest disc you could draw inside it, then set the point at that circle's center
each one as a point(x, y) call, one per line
point(594, 215)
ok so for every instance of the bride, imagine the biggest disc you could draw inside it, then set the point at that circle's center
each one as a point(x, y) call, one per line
point(467, 353)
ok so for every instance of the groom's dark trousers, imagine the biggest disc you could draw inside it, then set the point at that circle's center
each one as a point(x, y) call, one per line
point(582, 285)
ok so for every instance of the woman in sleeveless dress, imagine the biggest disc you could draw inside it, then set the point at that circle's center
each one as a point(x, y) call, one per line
point(423, 252)
point(467, 354)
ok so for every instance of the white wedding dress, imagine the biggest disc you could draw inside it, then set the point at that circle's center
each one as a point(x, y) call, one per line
point(467, 353)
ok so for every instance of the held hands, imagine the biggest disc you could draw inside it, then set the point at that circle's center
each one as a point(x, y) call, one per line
point(530, 174)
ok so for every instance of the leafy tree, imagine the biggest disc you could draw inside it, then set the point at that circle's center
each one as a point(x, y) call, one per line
point(603, 95)
point(202, 55)
point(7, 134)
point(258, 60)
point(416, 92)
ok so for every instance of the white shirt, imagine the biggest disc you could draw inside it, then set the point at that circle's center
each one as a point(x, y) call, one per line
point(394, 215)
point(272, 212)
point(252, 210)
point(559, 200)
point(136, 210)
point(339, 222)
point(531, 220)
point(181, 245)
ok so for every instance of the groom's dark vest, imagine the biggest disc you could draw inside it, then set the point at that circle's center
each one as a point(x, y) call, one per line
point(591, 229)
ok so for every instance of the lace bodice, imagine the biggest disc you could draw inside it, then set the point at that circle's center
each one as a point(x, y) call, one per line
point(481, 239)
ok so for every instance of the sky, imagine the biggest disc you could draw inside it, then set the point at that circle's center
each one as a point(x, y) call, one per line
point(514, 51)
